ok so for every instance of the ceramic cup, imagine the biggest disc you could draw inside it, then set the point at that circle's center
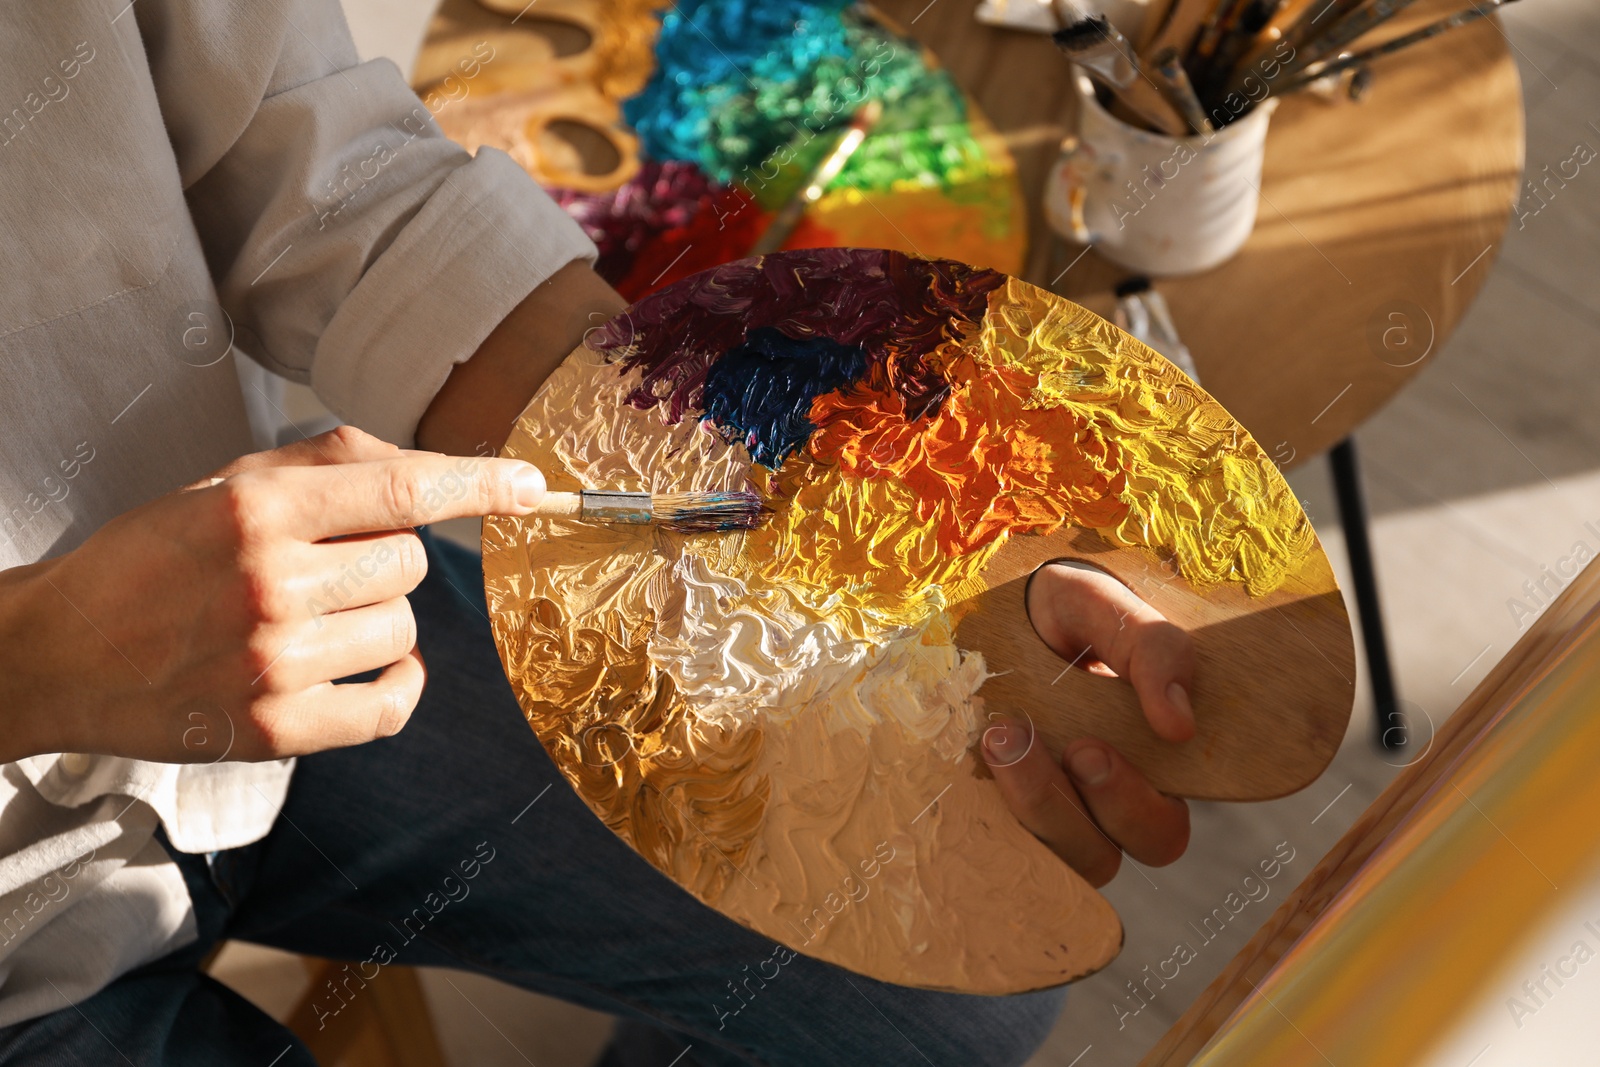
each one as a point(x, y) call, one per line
point(1156, 204)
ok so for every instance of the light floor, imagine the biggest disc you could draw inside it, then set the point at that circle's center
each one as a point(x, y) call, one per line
point(1483, 473)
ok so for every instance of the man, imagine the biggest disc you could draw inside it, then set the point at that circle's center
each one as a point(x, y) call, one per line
point(184, 180)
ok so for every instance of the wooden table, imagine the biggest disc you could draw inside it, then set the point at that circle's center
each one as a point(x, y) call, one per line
point(1395, 205)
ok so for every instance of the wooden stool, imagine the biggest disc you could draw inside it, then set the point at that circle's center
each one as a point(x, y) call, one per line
point(387, 1024)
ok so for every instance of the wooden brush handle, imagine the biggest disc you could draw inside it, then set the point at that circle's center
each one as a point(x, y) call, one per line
point(1182, 25)
point(1156, 13)
point(559, 506)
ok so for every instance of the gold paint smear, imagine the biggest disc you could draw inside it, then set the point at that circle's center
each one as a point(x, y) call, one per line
point(679, 788)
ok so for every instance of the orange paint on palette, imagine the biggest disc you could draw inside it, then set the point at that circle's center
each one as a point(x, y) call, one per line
point(985, 464)
point(914, 477)
point(809, 233)
point(853, 552)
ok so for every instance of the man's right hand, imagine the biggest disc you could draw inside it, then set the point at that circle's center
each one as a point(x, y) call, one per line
point(239, 600)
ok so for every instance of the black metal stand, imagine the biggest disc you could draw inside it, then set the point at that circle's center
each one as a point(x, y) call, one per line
point(1391, 729)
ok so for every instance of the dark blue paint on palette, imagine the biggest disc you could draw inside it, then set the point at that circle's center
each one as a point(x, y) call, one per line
point(760, 392)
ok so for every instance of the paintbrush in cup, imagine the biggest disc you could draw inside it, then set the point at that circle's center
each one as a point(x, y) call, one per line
point(703, 512)
point(1212, 31)
point(1175, 82)
point(1355, 24)
point(1239, 51)
point(1096, 46)
point(1317, 17)
point(1432, 29)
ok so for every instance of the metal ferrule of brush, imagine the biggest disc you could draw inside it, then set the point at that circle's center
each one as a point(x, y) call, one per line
point(617, 507)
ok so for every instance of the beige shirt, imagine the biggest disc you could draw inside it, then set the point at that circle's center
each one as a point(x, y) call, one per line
point(182, 182)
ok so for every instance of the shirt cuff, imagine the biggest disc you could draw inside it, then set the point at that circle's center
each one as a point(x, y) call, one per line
point(481, 243)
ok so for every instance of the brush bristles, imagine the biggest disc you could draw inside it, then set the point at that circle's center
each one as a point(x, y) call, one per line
point(1083, 34)
point(708, 512)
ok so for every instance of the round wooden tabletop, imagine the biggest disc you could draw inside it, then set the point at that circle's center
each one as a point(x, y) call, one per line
point(1378, 221)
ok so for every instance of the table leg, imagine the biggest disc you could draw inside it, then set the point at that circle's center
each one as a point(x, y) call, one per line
point(1390, 725)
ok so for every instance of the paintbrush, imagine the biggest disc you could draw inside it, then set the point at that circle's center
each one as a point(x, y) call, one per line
point(1182, 28)
point(816, 183)
point(1175, 81)
point(1353, 25)
point(1064, 13)
point(1360, 84)
point(1156, 15)
point(706, 512)
point(1212, 31)
point(1096, 46)
point(1316, 17)
point(1433, 29)
point(1220, 72)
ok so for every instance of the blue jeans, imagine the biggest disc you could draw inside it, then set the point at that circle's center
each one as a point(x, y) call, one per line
point(457, 844)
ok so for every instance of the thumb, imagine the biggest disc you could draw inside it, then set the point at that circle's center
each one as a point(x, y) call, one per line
point(1079, 610)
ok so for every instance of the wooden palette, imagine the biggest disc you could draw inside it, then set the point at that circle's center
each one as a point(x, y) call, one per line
point(1273, 686)
point(784, 721)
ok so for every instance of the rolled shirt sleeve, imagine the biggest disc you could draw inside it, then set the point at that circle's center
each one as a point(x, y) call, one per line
point(355, 248)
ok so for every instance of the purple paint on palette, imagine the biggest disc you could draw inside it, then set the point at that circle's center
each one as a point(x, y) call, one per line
point(898, 308)
point(658, 198)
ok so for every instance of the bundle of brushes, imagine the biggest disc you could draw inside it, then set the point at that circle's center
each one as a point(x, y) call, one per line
point(706, 512)
point(1208, 62)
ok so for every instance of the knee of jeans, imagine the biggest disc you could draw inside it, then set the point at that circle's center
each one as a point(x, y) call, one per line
point(989, 1031)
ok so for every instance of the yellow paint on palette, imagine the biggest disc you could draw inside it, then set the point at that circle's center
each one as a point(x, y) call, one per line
point(1197, 488)
point(758, 712)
